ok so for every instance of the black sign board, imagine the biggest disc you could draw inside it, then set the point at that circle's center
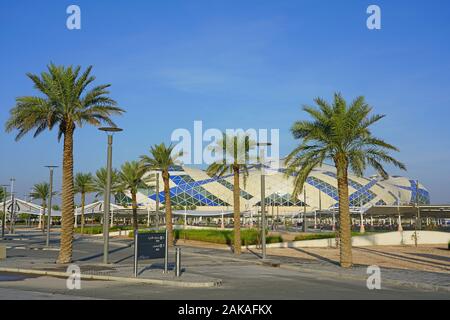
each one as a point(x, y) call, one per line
point(151, 245)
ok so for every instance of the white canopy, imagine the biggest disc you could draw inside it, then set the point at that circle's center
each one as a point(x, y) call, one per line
point(97, 208)
point(25, 207)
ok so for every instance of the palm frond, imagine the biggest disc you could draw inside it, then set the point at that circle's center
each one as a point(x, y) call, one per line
point(66, 102)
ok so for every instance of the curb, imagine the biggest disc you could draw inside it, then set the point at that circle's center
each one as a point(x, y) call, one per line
point(181, 284)
point(32, 248)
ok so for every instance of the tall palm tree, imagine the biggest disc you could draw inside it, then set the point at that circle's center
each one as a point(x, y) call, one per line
point(83, 184)
point(162, 159)
point(234, 151)
point(41, 191)
point(3, 197)
point(341, 133)
point(99, 181)
point(100, 184)
point(2, 194)
point(132, 177)
point(67, 103)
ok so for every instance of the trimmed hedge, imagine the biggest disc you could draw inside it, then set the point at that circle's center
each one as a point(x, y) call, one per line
point(248, 236)
point(314, 236)
point(99, 229)
point(318, 236)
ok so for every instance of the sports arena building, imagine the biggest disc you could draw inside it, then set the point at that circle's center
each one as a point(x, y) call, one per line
point(192, 188)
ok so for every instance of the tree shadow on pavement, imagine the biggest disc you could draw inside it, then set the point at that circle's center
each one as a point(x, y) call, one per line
point(407, 259)
point(317, 256)
point(94, 256)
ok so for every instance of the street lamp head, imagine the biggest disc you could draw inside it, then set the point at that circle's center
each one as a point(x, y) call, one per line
point(110, 129)
point(264, 144)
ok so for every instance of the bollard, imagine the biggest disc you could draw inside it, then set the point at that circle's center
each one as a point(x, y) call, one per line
point(2, 252)
point(178, 262)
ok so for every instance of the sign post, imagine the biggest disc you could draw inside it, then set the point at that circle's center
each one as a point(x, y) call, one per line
point(150, 246)
point(166, 253)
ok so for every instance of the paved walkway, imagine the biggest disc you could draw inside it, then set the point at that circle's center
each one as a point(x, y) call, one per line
point(209, 264)
point(28, 252)
point(424, 267)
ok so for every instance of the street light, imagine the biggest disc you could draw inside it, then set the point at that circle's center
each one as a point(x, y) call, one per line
point(4, 210)
point(418, 219)
point(157, 201)
point(263, 197)
point(49, 209)
point(11, 229)
point(109, 131)
point(304, 226)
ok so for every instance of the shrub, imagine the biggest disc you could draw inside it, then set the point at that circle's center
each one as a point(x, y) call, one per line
point(248, 236)
point(314, 236)
point(327, 235)
point(274, 239)
point(99, 229)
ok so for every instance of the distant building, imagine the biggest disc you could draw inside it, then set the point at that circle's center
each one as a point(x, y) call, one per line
point(193, 188)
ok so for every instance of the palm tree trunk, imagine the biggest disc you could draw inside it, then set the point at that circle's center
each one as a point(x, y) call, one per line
point(168, 208)
point(67, 215)
point(83, 201)
point(344, 213)
point(134, 207)
point(44, 205)
point(237, 212)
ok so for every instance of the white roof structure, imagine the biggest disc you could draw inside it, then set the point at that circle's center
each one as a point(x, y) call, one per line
point(96, 208)
point(25, 207)
point(192, 187)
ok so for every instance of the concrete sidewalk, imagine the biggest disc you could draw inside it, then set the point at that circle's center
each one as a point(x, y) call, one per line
point(122, 275)
point(432, 281)
point(32, 257)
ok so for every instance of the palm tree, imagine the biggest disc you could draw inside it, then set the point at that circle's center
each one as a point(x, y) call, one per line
point(341, 133)
point(132, 177)
point(3, 195)
point(41, 191)
point(83, 184)
point(234, 150)
point(99, 181)
point(67, 103)
point(162, 159)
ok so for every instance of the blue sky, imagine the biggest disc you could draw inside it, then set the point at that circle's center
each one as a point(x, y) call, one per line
point(233, 64)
